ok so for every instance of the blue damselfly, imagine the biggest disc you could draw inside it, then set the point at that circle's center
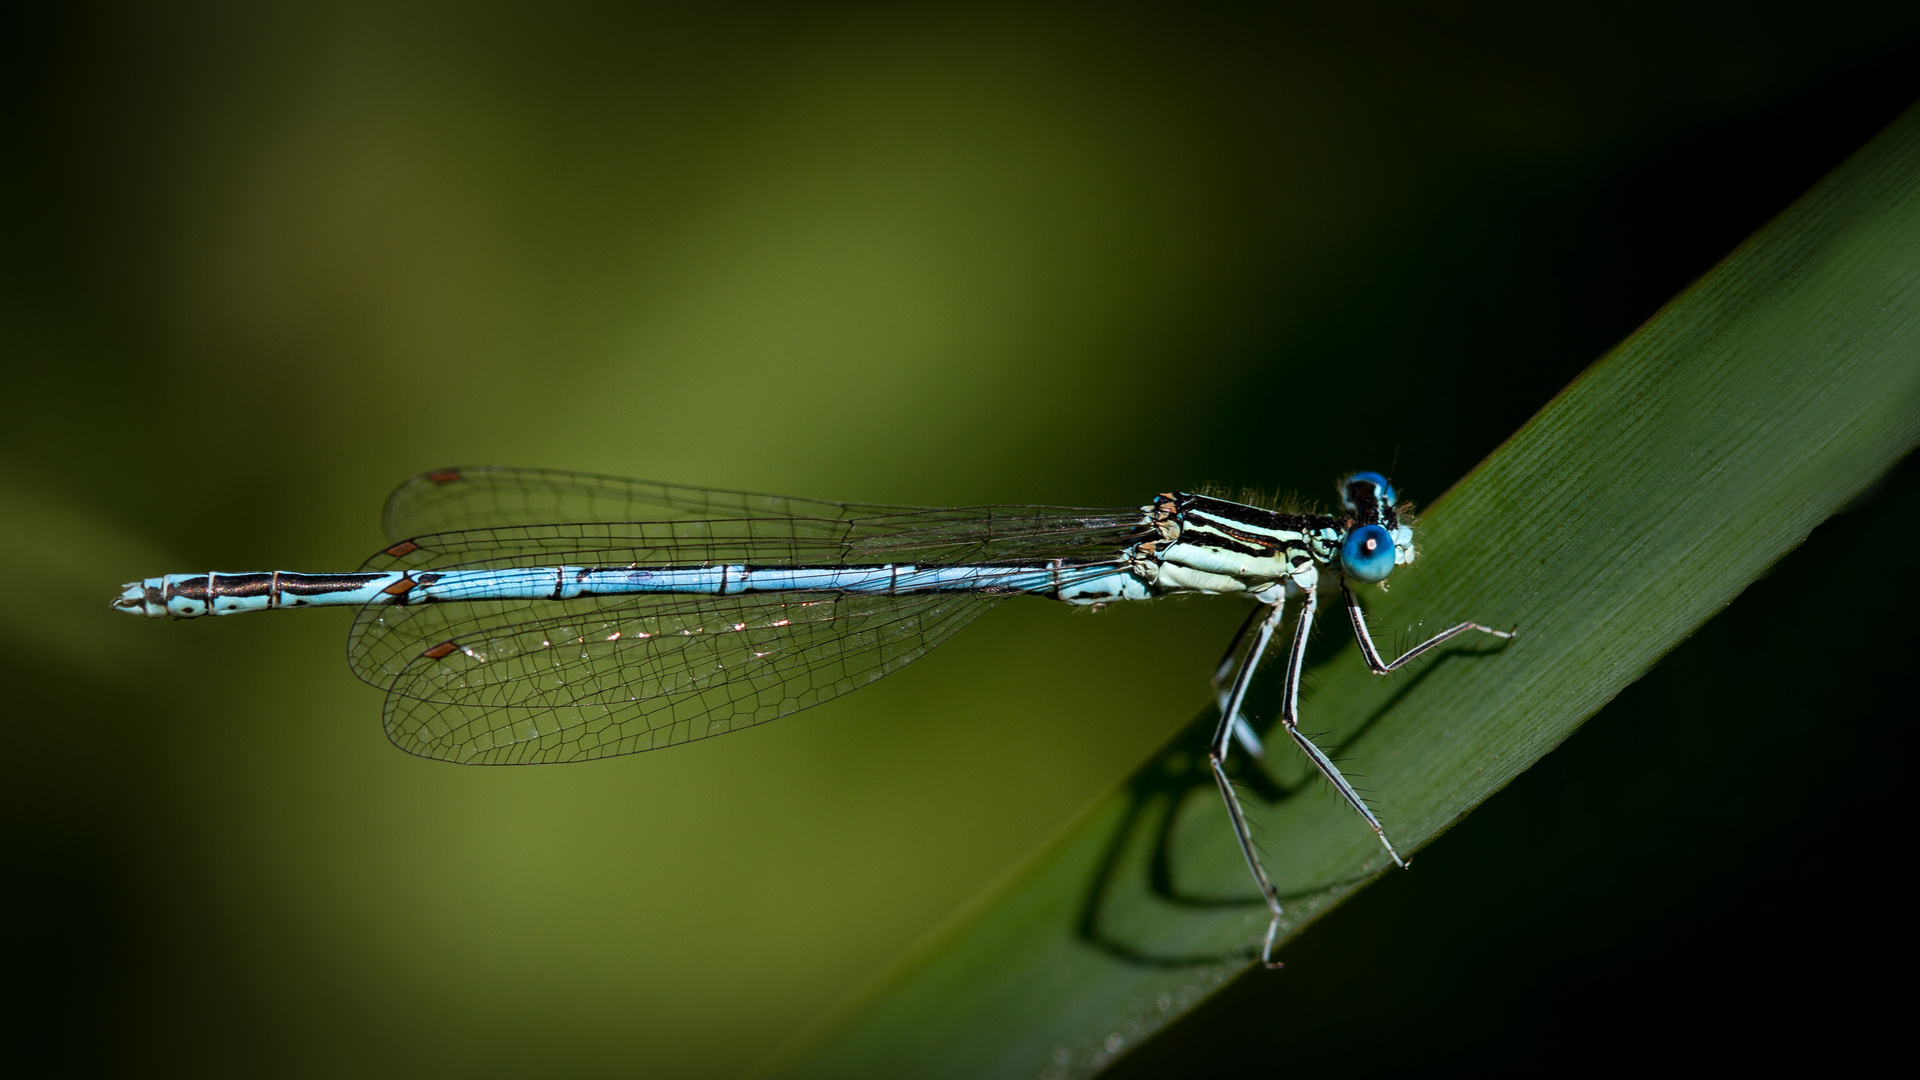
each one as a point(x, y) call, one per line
point(524, 616)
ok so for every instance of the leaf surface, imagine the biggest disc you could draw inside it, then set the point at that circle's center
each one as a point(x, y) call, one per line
point(1632, 508)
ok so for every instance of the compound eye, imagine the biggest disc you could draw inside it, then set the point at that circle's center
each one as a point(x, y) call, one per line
point(1387, 495)
point(1367, 554)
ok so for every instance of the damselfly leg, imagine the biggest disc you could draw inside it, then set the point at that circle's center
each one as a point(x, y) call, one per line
point(1290, 716)
point(1223, 679)
point(1217, 757)
point(1230, 720)
point(1359, 618)
point(1260, 627)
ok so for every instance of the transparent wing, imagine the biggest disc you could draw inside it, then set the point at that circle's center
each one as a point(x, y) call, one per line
point(525, 680)
point(974, 535)
point(479, 496)
point(588, 679)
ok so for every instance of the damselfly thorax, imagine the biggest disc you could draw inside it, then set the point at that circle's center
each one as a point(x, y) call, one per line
point(1211, 545)
point(523, 616)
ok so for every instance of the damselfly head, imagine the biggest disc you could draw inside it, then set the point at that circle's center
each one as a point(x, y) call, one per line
point(1367, 554)
point(1377, 540)
point(1368, 496)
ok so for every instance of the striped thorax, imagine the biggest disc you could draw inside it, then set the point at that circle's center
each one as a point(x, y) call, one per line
point(1209, 545)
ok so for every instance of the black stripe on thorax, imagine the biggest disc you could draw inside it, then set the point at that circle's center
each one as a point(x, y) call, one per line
point(1260, 534)
point(1254, 517)
point(1203, 533)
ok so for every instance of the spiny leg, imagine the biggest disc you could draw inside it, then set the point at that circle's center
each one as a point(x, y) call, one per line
point(1359, 619)
point(1290, 716)
point(1230, 662)
point(1223, 737)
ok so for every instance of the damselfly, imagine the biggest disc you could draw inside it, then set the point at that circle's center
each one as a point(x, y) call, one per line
point(526, 616)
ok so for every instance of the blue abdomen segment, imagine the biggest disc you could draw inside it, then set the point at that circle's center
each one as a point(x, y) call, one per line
point(188, 596)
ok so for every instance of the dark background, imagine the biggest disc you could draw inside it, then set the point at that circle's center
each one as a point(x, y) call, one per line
point(261, 263)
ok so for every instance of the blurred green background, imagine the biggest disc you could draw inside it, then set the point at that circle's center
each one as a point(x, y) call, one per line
point(262, 263)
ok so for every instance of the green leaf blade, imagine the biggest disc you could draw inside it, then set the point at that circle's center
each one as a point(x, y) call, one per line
point(1635, 506)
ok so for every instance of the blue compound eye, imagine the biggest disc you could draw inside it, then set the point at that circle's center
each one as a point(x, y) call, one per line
point(1374, 478)
point(1367, 554)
